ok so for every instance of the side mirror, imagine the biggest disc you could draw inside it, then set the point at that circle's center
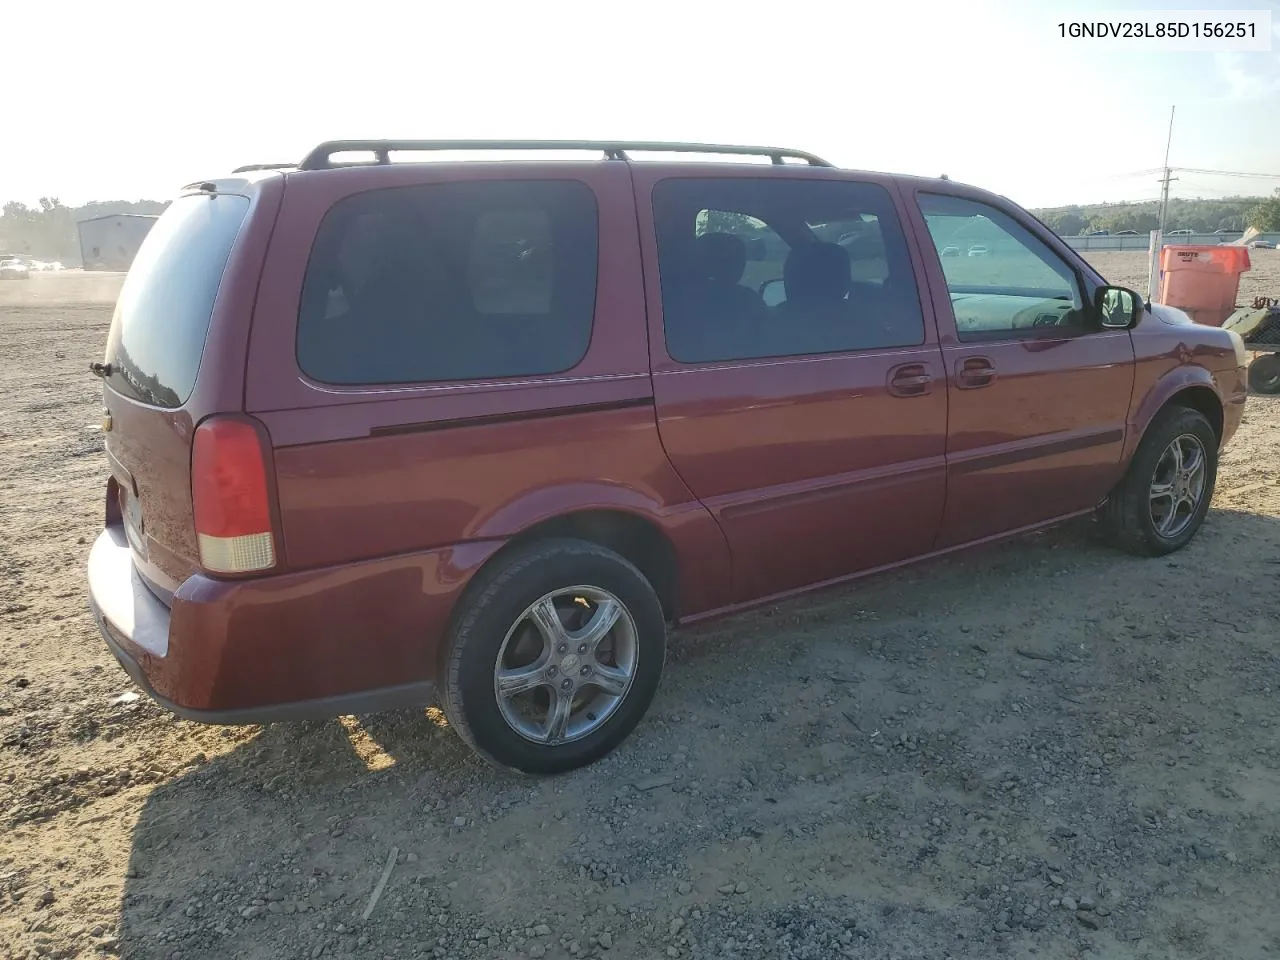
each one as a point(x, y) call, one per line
point(773, 292)
point(1117, 308)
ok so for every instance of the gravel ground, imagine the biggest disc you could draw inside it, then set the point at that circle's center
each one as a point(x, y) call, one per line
point(1041, 748)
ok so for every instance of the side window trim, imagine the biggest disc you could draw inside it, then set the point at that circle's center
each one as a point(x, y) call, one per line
point(1084, 286)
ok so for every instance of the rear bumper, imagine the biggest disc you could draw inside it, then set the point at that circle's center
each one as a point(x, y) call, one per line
point(374, 701)
point(352, 639)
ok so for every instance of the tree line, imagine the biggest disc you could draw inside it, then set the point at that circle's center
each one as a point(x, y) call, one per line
point(1233, 214)
point(47, 231)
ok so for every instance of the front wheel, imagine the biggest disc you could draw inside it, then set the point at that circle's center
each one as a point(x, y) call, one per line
point(1164, 496)
point(556, 657)
point(1264, 374)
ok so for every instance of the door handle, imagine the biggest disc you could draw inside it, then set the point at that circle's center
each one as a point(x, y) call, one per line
point(909, 380)
point(973, 372)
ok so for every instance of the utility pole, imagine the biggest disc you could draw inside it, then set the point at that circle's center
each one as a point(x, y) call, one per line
point(1157, 236)
point(1168, 177)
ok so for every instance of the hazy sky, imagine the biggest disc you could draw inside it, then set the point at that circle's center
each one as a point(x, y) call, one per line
point(133, 98)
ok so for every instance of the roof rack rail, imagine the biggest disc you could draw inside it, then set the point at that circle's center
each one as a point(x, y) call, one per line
point(321, 157)
point(250, 167)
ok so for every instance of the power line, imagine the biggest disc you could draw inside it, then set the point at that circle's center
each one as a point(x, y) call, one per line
point(1135, 173)
point(1213, 173)
point(1207, 188)
point(1229, 173)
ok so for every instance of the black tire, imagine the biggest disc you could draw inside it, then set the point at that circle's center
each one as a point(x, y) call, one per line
point(496, 603)
point(1264, 374)
point(1127, 515)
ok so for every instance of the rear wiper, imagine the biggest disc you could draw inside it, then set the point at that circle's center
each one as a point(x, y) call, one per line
point(102, 370)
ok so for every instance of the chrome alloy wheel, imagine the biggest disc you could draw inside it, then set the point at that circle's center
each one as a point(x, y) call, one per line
point(566, 665)
point(1178, 485)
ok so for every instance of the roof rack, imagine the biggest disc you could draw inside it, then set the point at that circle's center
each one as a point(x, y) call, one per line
point(321, 157)
point(250, 167)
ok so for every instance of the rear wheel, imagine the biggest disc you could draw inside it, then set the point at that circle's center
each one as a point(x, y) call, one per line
point(556, 657)
point(1264, 374)
point(1162, 500)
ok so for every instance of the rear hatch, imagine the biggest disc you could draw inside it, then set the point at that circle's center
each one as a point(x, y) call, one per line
point(154, 353)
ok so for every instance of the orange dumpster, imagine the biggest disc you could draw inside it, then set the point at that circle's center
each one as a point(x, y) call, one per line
point(1202, 280)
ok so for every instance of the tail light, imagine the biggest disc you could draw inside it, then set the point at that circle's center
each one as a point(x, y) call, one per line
point(230, 498)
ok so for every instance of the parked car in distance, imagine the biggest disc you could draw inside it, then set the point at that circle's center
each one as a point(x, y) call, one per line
point(483, 432)
point(14, 269)
point(1262, 244)
point(978, 250)
point(950, 251)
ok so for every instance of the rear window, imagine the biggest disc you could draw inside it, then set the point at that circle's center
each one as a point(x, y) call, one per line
point(162, 317)
point(452, 281)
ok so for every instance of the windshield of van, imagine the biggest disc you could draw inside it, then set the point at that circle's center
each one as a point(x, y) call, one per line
point(162, 317)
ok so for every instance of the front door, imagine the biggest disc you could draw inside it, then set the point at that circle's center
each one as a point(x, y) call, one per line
point(1039, 393)
point(799, 385)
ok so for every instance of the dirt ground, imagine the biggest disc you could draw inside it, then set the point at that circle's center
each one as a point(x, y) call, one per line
point(1040, 748)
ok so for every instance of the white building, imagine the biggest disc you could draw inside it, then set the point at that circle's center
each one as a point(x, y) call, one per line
point(111, 242)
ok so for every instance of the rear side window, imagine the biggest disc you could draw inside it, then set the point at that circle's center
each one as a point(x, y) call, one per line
point(454, 281)
point(775, 267)
point(162, 316)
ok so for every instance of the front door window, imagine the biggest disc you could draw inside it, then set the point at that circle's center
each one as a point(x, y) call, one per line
point(1004, 281)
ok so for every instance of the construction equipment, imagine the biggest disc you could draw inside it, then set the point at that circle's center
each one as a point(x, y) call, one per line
point(1259, 327)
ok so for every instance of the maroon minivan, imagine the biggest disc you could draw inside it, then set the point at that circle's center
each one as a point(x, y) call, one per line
point(384, 426)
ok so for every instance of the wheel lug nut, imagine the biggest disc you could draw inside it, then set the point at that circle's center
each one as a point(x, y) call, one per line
point(562, 648)
point(566, 684)
point(586, 671)
point(551, 671)
point(582, 648)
